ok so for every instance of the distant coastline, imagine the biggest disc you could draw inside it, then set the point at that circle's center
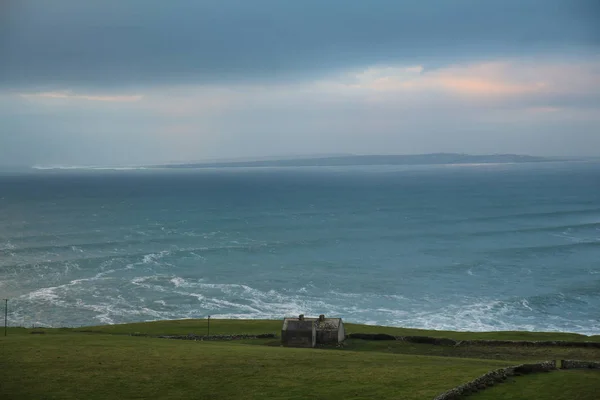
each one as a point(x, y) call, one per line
point(358, 160)
point(327, 160)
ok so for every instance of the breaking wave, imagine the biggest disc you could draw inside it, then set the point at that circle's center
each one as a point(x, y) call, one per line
point(116, 298)
point(87, 167)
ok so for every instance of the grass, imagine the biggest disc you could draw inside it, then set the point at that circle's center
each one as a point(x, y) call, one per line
point(563, 385)
point(509, 353)
point(100, 367)
point(183, 327)
point(104, 362)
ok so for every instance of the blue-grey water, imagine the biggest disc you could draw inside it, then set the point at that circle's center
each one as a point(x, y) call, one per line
point(466, 247)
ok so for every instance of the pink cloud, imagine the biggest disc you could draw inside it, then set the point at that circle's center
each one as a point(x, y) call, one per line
point(483, 86)
point(497, 79)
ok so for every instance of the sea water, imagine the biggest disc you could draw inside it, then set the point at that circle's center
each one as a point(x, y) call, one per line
point(463, 247)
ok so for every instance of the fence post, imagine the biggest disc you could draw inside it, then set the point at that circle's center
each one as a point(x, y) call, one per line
point(5, 317)
point(208, 327)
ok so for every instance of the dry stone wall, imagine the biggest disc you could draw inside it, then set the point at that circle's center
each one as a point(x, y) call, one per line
point(494, 377)
point(525, 343)
point(371, 336)
point(193, 336)
point(452, 342)
point(576, 364)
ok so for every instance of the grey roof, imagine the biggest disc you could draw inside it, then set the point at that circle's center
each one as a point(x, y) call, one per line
point(294, 324)
point(328, 324)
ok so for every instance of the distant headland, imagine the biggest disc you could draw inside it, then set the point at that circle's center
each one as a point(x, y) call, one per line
point(358, 160)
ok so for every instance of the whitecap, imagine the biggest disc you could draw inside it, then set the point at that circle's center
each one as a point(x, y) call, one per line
point(178, 282)
point(47, 294)
point(154, 257)
point(88, 167)
point(76, 249)
point(7, 246)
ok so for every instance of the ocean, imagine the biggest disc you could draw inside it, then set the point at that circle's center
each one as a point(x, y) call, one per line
point(475, 247)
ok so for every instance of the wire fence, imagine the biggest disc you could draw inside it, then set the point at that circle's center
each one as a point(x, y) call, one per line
point(14, 315)
point(17, 313)
point(5, 317)
point(40, 319)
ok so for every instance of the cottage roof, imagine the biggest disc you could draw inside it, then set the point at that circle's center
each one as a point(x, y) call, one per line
point(326, 324)
point(295, 324)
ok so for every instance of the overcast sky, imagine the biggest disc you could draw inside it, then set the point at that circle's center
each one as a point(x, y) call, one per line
point(141, 81)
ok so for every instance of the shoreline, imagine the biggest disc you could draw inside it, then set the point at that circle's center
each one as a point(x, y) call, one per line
point(236, 325)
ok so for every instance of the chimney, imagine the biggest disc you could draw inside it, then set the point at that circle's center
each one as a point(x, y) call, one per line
point(301, 317)
point(321, 318)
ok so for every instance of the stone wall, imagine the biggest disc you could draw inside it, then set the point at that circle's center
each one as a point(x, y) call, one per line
point(525, 343)
point(494, 377)
point(371, 336)
point(429, 340)
point(575, 364)
point(192, 336)
point(452, 342)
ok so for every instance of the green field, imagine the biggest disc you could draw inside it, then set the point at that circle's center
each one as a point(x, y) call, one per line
point(230, 326)
point(562, 385)
point(104, 362)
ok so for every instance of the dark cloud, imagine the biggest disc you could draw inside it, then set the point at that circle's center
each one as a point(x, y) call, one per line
point(136, 42)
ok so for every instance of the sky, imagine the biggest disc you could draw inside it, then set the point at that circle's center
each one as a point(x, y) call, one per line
point(129, 82)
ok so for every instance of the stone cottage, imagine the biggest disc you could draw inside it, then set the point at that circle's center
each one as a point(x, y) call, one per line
point(308, 332)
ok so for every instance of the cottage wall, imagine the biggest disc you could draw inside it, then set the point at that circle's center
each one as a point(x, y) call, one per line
point(341, 333)
point(299, 334)
point(328, 331)
point(325, 337)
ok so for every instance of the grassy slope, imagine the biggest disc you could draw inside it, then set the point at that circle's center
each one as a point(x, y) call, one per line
point(75, 366)
point(102, 362)
point(183, 327)
point(510, 353)
point(564, 385)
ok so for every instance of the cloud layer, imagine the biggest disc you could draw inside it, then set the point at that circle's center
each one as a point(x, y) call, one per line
point(138, 42)
point(134, 82)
